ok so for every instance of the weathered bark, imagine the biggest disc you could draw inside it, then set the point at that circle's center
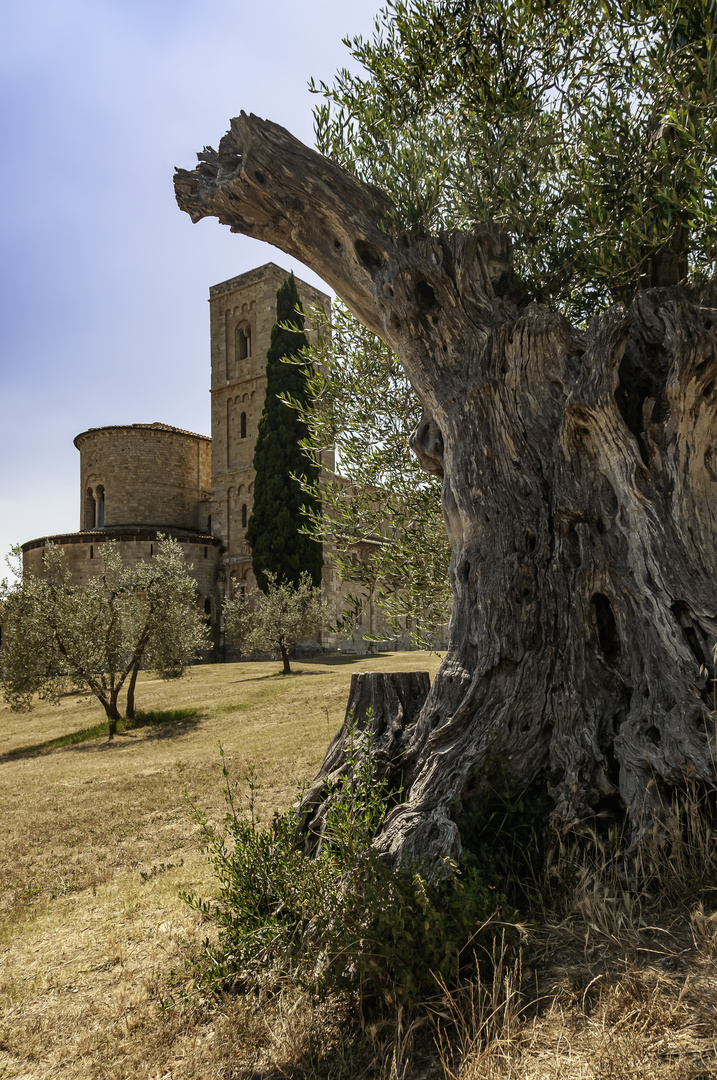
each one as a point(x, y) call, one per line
point(130, 692)
point(112, 717)
point(381, 706)
point(109, 704)
point(579, 492)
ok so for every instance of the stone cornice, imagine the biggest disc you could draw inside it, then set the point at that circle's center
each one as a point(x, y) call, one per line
point(156, 428)
point(258, 274)
point(124, 534)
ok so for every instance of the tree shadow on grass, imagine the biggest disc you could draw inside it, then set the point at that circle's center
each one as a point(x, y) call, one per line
point(165, 724)
point(319, 661)
point(280, 675)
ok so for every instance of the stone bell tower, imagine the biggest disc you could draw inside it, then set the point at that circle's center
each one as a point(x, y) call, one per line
point(243, 311)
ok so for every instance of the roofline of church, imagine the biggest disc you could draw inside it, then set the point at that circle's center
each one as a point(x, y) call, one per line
point(156, 426)
point(256, 275)
point(123, 533)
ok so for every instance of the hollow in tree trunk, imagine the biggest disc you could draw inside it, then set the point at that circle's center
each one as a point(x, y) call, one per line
point(579, 482)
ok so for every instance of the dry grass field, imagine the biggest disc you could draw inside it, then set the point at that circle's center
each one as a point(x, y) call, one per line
point(96, 841)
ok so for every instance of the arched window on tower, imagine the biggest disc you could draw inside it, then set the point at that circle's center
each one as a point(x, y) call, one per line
point(243, 515)
point(243, 343)
point(242, 425)
point(89, 509)
point(100, 507)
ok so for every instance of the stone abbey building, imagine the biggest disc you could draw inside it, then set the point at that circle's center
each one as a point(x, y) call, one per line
point(141, 480)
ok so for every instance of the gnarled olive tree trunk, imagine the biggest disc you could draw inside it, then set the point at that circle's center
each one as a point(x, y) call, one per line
point(580, 476)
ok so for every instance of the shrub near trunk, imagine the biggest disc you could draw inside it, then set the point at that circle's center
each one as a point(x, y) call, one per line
point(343, 920)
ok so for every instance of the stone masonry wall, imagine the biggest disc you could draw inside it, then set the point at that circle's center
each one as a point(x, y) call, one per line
point(83, 555)
point(149, 474)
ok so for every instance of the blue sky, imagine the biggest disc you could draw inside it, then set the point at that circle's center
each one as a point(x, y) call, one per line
point(103, 297)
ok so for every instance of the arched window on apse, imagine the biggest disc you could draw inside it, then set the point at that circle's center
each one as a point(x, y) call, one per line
point(100, 507)
point(209, 525)
point(208, 606)
point(89, 509)
point(242, 425)
point(243, 515)
point(243, 343)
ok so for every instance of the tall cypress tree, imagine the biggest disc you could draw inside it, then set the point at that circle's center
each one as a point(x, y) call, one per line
point(277, 544)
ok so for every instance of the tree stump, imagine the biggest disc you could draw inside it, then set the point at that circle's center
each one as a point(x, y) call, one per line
point(380, 707)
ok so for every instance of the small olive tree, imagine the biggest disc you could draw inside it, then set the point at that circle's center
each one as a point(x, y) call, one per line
point(276, 620)
point(98, 635)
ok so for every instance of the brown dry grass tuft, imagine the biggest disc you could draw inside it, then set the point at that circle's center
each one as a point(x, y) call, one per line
point(624, 984)
point(96, 841)
point(633, 1022)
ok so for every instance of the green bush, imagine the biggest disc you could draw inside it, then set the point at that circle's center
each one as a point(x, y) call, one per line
point(342, 920)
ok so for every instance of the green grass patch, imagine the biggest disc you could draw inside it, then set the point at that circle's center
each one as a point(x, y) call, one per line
point(150, 718)
point(70, 739)
point(233, 707)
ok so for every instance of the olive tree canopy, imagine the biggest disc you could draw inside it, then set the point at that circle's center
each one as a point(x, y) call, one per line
point(98, 635)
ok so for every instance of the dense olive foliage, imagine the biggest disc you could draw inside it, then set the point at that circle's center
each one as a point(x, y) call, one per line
point(98, 635)
point(587, 130)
